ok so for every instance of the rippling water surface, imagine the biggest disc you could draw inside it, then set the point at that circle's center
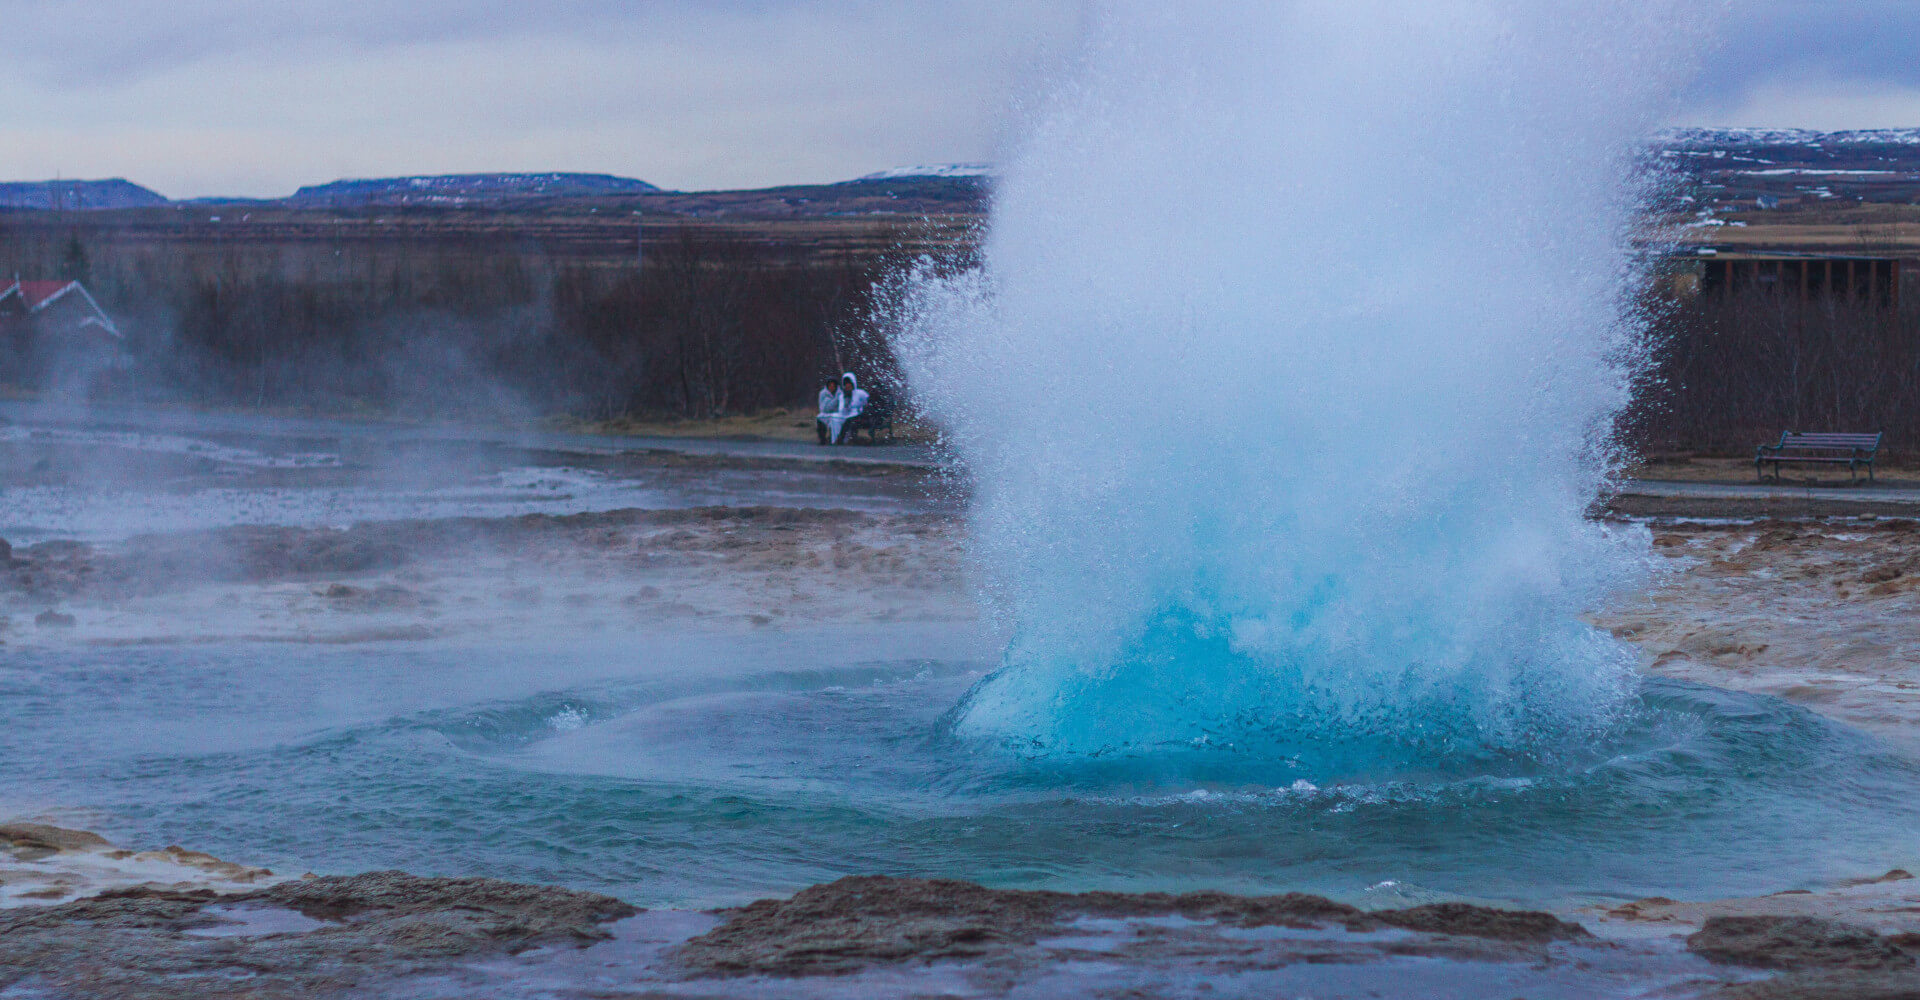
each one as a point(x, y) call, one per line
point(696, 771)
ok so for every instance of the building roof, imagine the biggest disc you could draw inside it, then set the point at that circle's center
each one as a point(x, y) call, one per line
point(1736, 253)
point(38, 295)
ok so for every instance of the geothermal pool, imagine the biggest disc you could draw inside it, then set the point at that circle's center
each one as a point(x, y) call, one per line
point(710, 770)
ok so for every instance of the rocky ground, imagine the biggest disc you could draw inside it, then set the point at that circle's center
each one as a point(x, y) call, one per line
point(719, 566)
point(209, 937)
point(220, 931)
point(1823, 612)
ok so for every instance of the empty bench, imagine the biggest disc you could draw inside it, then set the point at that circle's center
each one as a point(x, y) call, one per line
point(1855, 451)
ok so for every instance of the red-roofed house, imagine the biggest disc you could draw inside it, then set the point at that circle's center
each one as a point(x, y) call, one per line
point(47, 326)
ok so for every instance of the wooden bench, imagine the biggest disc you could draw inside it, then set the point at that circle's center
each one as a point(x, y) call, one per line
point(877, 417)
point(1856, 451)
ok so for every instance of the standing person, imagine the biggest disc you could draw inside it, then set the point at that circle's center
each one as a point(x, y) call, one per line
point(829, 409)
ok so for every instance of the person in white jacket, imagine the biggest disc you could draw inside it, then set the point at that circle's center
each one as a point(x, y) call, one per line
point(853, 402)
point(829, 408)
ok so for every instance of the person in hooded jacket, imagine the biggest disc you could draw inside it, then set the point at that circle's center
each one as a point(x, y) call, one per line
point(829, 407)
point(853, 402)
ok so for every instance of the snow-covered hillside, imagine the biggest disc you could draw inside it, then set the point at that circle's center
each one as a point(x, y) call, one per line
point(933, 170)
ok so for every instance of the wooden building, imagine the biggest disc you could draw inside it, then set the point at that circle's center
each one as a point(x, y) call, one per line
point(51, 326)
point(1800, 275)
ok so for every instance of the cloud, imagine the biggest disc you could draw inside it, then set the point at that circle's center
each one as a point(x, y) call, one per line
point(1827, 64)
point(217, 97)
point(199, 97)
point(1828, 105)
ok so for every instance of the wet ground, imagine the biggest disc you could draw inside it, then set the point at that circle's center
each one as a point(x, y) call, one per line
point(687, 677)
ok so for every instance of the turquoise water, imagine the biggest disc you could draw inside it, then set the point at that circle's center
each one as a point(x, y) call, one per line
point(699, 771)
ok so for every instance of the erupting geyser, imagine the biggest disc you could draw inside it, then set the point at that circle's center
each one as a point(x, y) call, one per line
point(1289, 375)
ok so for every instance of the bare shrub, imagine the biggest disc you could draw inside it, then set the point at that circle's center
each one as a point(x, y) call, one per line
point(711, 325)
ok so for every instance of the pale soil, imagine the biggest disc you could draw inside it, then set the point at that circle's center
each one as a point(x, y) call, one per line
point(1822, 613)
point(1825, 613)
point(714, 567)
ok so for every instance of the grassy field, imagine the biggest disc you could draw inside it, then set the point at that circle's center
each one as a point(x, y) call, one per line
point(1869, 230)
point(1690, 469)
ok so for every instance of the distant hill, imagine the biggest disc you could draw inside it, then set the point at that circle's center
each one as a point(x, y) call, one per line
point(77, 195)
point(465, 189)
point(1727, 137)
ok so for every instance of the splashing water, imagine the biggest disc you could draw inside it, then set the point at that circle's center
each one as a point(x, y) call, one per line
point(1286, 381)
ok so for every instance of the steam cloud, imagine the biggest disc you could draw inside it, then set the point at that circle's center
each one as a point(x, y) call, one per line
point(1288, 376)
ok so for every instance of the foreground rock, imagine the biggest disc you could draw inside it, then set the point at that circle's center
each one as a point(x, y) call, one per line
point(178, 923)
point(201, 927)
point(1784, 942)
point(388, 933)
point(855, 923)
point(1857, 939)
point(157, 942)
point(41, 863)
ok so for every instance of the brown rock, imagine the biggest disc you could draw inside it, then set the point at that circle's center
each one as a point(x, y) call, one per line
point(51, 839)
point(385, 597)
point(1482, 921)
point(1895, 875)
point(516, 912)
point(1776, 942)
point(855, 922)
point(1848, 984)
point(377, 927)
point(37, 841)
point(227, 870)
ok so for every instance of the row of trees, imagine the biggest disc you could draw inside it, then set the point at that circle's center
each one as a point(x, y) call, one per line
point(1727, 372)
point(713, 325)
point(709, 326)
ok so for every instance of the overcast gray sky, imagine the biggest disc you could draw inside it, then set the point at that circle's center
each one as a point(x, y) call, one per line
point(202, 97)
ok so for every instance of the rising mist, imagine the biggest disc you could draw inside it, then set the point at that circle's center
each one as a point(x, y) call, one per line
point(1269, 442)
